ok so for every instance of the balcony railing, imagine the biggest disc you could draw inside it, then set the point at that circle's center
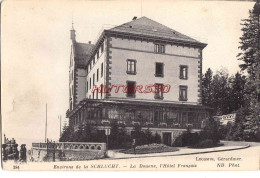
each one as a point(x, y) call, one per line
point(71, 146)
point(131, 123)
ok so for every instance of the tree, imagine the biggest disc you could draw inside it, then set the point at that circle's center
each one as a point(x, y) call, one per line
point(250, 55)
point(138, 134)
point(249, 42)
point(78, 136)
point(220, 92)
point(124, 139)
point(149, 136)
point(113, 137)
point(250, 47)
point(237, 91)
point(87, 133)
point(157, 138)
point(211, 131)
point(67, 134)
point(207, 88)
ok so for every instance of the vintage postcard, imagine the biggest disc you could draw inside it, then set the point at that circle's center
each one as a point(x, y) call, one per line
point(130, 85)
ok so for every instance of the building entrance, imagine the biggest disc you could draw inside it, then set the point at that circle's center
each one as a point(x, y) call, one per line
point(167, 138)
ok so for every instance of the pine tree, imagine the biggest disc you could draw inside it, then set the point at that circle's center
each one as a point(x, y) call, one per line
point(250, 55)
point(220, 92)
point(78, 136)
point(250, 41)
point(237, 83)
point(67, 134)
point(250, 47)
point(207, 88)
point(87, 133)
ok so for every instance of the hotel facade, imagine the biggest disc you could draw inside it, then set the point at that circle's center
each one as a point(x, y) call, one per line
point(140, 72)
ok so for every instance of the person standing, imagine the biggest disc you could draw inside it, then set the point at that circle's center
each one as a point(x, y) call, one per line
point(134, 146)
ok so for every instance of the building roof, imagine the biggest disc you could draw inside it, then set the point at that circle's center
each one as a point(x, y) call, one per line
point(82, 52)
point(147, 27)
point(83, 48)
point(144, 27)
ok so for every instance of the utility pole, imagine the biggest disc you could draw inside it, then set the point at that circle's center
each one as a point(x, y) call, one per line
point(60, 124)
point(46, 124)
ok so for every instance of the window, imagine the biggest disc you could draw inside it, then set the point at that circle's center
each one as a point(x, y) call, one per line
point(183, 72)
point(94, 60)
point(183, 93)
point(131, 66)
point(71, 105)
point(131, 88)
point(159, 69)
point(97, 74)
point(156, 48)
point(97, 54)
point(102, 47)
point(90, 66)
point(96, 94)
point(102, 70)
point(101, 92)
point(158, 91)
point(93, 95)
point(87, 86)
point(90, 83)
point(159, 48)
point(93, 79)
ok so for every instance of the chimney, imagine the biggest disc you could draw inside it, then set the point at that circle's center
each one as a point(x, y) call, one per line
point(89, 42)
point(134, 18)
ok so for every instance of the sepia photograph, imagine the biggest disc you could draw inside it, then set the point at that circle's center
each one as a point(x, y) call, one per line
point(132, 85)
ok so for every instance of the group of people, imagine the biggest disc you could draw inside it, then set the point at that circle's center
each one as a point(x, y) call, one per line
point(10, 152)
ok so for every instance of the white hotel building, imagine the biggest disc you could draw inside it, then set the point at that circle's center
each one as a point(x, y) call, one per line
point(140, 52)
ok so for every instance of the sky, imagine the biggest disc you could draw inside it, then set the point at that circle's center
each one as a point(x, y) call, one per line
point(35, 49)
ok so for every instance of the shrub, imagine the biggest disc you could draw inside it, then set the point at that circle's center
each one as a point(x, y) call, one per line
point(186, 139)
point(208, 143)
point(157, 138)
point(210, 132)
point(178, 141)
